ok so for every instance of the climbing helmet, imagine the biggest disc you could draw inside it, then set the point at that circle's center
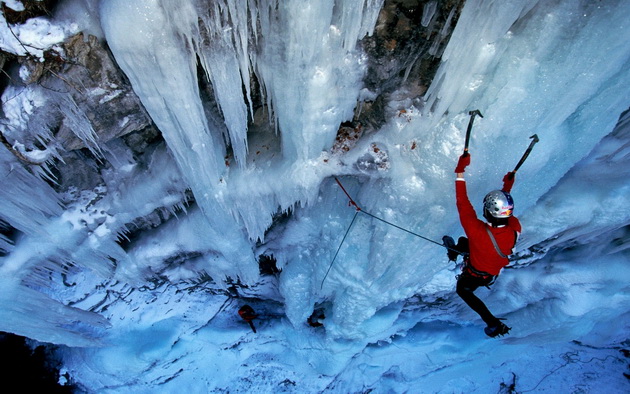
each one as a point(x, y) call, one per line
point(498, 204)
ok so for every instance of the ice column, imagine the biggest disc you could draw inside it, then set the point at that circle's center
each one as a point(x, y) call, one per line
point(154, 43)
point(303, 54)
point(308, 69)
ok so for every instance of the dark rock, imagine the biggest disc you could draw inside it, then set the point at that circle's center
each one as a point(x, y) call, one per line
point(32, 9)
point(95, 93)
point(403, 53)
point(80, 169)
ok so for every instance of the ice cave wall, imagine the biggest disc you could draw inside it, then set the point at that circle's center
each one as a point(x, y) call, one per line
point(90, 155)
point(249, 97)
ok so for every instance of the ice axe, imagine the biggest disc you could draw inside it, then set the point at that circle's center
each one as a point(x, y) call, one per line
point(470, 124)
point(527, 152)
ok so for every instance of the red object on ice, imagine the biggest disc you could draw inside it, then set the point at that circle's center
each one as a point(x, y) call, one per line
point(247, 313)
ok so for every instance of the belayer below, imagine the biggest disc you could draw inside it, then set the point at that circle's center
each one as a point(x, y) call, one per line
point(488, 244)
point(247, 313)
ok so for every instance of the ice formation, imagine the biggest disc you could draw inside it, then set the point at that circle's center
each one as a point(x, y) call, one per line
point(560, 69)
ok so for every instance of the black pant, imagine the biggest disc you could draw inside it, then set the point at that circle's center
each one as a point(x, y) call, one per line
point(466, 285)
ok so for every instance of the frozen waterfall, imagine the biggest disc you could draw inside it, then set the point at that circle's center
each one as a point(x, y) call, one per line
point(309, 74)
point(249, 97)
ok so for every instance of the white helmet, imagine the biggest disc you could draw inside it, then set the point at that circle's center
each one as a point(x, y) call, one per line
point(498, 204)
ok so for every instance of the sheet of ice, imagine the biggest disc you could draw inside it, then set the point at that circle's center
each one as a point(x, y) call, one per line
point(566, 335)
point(155, 48)
point(515, 68)
point(601, 204)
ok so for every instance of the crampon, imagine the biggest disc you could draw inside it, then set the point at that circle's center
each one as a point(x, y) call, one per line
point(498, 330)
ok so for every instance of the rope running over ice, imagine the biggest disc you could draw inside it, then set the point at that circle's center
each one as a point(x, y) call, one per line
point(351, 202)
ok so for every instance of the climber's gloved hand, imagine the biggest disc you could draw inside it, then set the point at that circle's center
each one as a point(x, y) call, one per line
point(508, 181)
point(463, 162)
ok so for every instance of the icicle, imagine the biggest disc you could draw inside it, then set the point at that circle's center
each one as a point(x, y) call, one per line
point(76, 120)
point(224, 57)
point(238, 14)
point(41, 318)
point(122, 235)
point(5, 244)
point(428, 11)
point(27, 201)
point(311, 99)
point(444, 31)
point(168, 87)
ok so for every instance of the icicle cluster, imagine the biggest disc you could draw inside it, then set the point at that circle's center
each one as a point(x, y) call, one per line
point(304, 58)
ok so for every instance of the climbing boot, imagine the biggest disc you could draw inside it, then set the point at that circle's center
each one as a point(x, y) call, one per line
point(451, 248)
point(497, 330)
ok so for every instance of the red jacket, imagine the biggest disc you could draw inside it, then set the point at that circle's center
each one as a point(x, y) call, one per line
point(483, 255)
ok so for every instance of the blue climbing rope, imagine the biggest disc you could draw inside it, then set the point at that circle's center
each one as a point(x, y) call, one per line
point(358, 209)
point(339, 248)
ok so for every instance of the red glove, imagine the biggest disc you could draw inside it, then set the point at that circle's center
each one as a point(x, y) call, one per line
point(463, 162)
point(508, 181)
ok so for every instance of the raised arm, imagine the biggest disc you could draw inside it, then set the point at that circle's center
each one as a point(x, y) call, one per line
point(462, 163)
point(508, 181)
point(465, 209)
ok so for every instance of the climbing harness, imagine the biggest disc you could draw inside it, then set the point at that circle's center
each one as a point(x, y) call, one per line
point(358, 209)
point(470, 270)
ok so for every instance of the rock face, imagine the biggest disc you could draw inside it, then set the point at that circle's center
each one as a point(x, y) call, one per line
point(404, 52)
point(100, 91)
point(90, 103)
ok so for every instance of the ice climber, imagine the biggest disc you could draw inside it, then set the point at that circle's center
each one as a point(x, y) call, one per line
point(488, 244)
point(247, 313)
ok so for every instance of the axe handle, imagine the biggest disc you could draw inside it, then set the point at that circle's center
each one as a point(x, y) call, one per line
point(470, 123)
point(469, 129)
point(527, 152)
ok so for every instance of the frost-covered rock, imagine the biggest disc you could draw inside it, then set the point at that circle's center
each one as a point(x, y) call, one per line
point(100, 91)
